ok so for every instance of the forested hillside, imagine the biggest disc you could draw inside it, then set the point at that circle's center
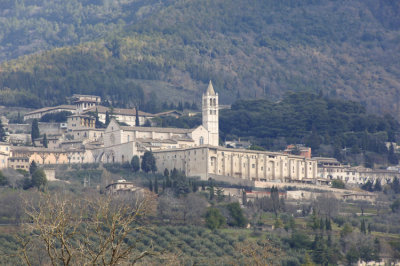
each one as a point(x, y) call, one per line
point(28, 26)
point(251, 49)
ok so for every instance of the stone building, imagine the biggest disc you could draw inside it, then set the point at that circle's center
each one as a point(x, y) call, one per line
point(80, 121)
point(123, 187)
point(84, 102)
point(215, 162)
point(127, 116)
point(123, 142)
point(4, 154)
point(37, 114)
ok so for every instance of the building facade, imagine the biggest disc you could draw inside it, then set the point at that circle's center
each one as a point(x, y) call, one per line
point(212, 161)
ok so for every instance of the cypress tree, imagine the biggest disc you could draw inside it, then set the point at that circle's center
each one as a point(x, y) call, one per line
point(107, 118)
point(166, 172)
point(244, 197)
point(156, 185)
point(45, 142)
point(32, 167)
point(2, 132)
point(35, 131)
point(362, 228)
point(137, 122)
point(392, 158)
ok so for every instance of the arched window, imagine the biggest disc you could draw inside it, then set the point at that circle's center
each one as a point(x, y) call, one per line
point(201, 140)
point(215, 102)
point(211, 102)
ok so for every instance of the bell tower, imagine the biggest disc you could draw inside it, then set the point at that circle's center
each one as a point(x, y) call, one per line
point(210, 115)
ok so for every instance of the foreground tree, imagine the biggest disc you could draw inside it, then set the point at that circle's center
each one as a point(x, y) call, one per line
point(91, 230)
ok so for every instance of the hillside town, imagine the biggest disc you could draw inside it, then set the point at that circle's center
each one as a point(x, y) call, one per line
point(196, 151)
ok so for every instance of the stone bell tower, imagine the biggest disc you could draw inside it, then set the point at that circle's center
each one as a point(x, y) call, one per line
point(210, 115)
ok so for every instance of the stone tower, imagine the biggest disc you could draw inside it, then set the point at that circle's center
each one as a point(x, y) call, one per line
point(210, 115)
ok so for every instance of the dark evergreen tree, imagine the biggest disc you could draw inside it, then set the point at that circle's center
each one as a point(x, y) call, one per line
point(168, 182)
point(195, 186)
point(3, 179)
point(237, 216)
point(194, 106)
point(378, 186)
point(244, 197)
point(137, 121)
point(32, 167)
point(395, 185)
point(220, 194)
point(211, 192)
point(107, 119)
point(39, 179)
point(328, 224)
point(174, 173)
point(166, 172)
point(156, 185)
point(392, 157)
point(97, 123)
point(135, 163)
point(45, 142)
point(148, 162)
point(2, 132)
point(180, 106)
point(275, 199)
point(114, 47)
point(362, 227)
point(368, 186)
point(35, 131)
point(321, 224)
point(151, 185)
point(337, 153)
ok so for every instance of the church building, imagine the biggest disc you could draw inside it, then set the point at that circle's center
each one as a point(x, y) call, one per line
point(196, 151)
point(123, 142)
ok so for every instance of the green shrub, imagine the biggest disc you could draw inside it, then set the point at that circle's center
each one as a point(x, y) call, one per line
point(337, 183)
point(214, 219)
point(236, 213)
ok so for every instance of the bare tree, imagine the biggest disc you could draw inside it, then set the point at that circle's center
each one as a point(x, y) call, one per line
point(187, 209)
point(193, 208)
point(327, 204)
point(95, 230)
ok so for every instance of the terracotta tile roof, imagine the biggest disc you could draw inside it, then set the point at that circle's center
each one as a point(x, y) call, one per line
point(159, 129)
point(46, 109)
point(117, 111)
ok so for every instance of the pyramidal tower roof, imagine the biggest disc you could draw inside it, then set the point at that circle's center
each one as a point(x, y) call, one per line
point(210, 89)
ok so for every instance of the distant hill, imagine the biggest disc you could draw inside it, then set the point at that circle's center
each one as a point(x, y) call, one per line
point(258, 48)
